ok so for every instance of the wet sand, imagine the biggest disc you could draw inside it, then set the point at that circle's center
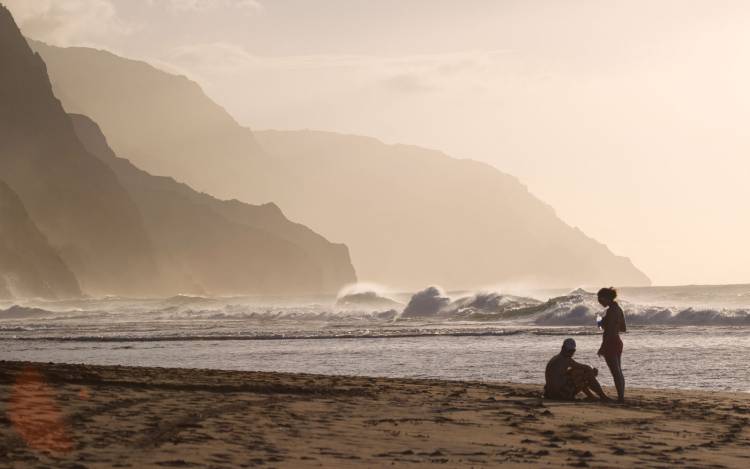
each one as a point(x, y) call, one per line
point(74, 416)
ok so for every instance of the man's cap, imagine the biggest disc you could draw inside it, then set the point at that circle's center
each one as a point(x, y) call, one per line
point(569, 345)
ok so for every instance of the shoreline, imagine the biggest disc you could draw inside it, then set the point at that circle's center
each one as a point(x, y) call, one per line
point(117, 416)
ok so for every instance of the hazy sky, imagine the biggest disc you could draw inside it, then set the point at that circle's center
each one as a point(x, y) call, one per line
point(630, 118)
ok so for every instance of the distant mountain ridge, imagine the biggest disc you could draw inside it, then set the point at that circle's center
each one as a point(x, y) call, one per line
point(463, 222)
point(114, 228)
point(410, 216)
point(223, 247)
point(72, 197)
point(210, 142)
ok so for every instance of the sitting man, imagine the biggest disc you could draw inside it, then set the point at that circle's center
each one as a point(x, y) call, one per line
point(565, 377)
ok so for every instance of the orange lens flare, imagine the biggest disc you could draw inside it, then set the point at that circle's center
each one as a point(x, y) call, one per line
point(35, 415)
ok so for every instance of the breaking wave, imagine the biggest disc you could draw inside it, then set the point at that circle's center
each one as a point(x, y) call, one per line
point(366, 299)
point(23, 312)
point(581, 309)
point(578, 308)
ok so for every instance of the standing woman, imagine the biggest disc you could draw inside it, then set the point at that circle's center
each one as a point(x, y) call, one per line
point(611, 349)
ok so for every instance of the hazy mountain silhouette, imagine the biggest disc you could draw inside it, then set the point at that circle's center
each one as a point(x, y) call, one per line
point(421, 214)
point(29, 266)
point(410, 216)
point(169, 116)
point(73, 198)
point(119, 229)
point(223, 247)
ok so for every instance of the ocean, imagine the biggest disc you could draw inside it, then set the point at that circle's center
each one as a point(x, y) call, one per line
point(690, 337)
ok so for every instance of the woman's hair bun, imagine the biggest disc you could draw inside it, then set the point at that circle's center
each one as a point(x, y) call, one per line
point(609, 293)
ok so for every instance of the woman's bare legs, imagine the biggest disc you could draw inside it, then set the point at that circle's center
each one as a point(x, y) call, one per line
point(613, 362)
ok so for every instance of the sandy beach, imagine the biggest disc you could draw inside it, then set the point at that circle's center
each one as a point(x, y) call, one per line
point(75, 416)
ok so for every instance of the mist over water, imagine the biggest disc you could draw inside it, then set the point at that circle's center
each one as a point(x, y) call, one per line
point(679, 337)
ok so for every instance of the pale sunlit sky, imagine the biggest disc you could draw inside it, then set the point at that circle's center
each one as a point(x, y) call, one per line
point(629, 118)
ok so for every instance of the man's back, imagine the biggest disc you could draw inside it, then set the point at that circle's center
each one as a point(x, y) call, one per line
point(556, 374)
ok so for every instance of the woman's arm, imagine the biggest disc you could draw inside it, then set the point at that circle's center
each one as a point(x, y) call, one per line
point(623, 326)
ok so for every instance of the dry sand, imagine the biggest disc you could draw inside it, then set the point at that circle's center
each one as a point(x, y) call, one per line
point(77, 416)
